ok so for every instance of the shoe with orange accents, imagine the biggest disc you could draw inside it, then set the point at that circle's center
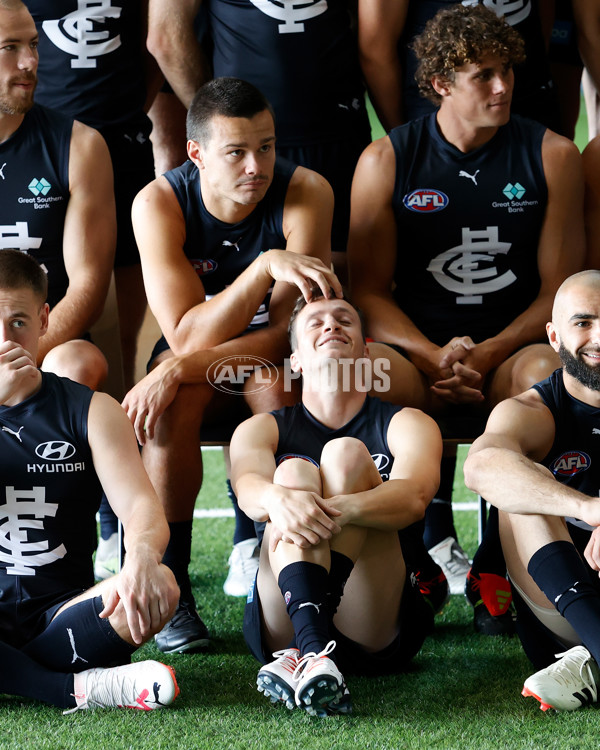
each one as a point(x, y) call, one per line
point(320, 688)
point(568, 684)
point(276, 679)
point(491, 598)
point(144, 685)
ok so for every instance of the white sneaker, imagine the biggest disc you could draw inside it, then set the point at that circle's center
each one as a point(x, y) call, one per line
point(276, 679)
point(106, 563)
point(569, 683)
point(243, 564)
point(453, 560)
point(145, 685)
point(320, 687)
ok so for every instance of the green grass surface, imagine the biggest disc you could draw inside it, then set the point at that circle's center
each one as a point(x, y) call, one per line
point(463, 691)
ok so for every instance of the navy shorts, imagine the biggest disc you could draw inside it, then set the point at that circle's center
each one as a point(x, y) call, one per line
point(415, 620)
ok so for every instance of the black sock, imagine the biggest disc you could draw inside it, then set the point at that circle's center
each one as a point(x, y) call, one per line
point(304, 588)
point(563, 577)
point(489, 557)
point(21, 675)
point(177, 556)
point(415, 554)
point(439, 523)
point(244, 526)
point(339, 572)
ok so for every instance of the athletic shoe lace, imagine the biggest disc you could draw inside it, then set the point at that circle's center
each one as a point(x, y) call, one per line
point(563, 671)
point(303, 662)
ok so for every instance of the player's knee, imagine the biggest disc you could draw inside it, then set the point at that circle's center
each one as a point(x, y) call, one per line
point(78, 360)
point(346, 454)
point(536, 363)
point(298, 474)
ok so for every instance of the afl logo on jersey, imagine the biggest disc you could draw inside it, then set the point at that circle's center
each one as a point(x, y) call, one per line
point(426, 201)
point(570, 463)
point(204, 267)
point(55, 450)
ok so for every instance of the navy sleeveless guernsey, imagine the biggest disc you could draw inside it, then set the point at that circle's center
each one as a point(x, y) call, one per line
point(91, 59)
point(50, 493)
point(218, 251)
point(302, 56)
point(34, 192)
point(302, 436)
point(574, 458)
point(468, 227)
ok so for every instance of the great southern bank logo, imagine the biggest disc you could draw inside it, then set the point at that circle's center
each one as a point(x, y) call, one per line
point(426, 200)
point(39, 187)
point(570, 463)
point(516, 191)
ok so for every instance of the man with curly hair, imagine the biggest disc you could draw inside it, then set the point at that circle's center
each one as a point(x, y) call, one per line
point(464, 223)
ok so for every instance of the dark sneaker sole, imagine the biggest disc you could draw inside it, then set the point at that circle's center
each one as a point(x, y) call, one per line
point(323, 697)
point(275, 689)
point(201, 644)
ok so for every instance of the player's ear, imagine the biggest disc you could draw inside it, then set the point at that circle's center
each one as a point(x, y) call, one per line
point(294, 362)
point(553, 336)
point(195, 153)
point(441, 85)
point(44, 314)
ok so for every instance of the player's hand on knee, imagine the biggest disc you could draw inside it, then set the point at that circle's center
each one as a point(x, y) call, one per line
point(301, 517)
point(149, 398)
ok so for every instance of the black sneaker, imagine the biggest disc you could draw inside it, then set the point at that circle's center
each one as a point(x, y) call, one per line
point(184, 633)
point(436, 591)
point(491, 598)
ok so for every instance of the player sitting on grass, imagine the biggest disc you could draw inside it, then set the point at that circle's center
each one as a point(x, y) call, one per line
point(333, 591)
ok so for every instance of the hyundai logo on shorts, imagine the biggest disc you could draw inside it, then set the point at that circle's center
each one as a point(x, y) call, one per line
point(229, 374)
point(426, 200)
point(55, 450)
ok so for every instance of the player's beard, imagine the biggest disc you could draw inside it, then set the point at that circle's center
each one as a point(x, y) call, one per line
point(574, 366)
point(16, 105)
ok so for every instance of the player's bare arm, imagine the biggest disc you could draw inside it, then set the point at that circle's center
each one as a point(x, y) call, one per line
point(145, 587)
point(503, 464)
point(298, 515)
point(89, 239)
point(172, 41)
point(416, 444)
point(380, 26)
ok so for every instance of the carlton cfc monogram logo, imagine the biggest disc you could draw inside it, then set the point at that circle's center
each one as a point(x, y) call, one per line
point(292, 13)
point(77, 33)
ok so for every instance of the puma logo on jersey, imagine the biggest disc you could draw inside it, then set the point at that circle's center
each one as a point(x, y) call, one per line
point(226, 243)
point(595, 431)
point(2, 171)
point(17, 434)
point(310, 604)
point(472, 177)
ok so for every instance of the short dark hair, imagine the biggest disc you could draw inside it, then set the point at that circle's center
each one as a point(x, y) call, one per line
point(21, 271)
point(227, 97)
point(460, 35)
point(317, 293)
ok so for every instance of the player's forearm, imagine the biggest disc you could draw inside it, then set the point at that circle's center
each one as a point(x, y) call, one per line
point(515, 484)
point(384, 84)
point(146, 533)
point(198, 367)
point(390, 506)
point(224, 316)
point(70, 318)
point(387, 323)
